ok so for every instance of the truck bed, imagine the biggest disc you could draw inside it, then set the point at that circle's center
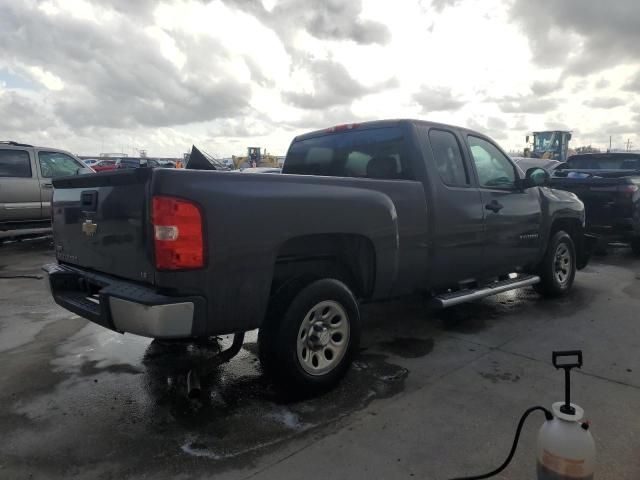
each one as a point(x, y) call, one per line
point(102, 223)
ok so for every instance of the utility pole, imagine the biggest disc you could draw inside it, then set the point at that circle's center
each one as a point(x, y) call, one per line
point(609, 142)
point(628, 144)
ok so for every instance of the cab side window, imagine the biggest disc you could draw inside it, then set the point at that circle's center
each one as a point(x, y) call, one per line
point(15, 163)
point(448, 158)
point(56, 164)
point(494, 169)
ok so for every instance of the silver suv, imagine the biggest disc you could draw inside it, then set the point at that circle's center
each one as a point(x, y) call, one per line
point(26, 173)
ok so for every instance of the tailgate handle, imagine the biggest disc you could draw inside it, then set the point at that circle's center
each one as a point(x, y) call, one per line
point(89, 200)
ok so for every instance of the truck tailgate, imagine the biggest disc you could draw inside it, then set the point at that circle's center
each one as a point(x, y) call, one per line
point(100, 223)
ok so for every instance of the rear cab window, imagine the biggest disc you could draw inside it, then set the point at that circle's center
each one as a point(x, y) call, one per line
point(57, 164)
point(369, 153)
point(15, 164)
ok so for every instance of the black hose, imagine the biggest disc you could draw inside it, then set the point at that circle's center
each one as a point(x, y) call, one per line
point(548, 415)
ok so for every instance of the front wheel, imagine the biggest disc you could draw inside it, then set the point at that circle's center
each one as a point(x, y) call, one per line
point(558, 267)
point(312, 345)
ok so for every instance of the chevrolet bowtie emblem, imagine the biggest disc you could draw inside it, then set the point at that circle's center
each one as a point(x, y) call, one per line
point(89, 228)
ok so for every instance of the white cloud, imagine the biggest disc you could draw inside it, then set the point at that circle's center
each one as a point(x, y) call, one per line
point(46, 78)
point(228, 73)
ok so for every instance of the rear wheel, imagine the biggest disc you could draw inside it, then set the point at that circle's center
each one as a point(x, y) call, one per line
point(311, 345)
point(635, 245)
point(558, 268)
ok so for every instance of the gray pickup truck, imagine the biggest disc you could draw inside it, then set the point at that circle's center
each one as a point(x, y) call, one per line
point(26, 188)
point(362, 212)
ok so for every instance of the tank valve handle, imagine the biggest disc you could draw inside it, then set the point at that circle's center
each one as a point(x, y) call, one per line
point(567, 365)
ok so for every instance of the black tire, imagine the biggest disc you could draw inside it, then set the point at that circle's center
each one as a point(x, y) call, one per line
point(635, 245)
point(556, 281)
point(278, 338)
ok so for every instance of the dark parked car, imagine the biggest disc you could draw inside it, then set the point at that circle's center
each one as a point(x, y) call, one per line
point(129, 162)
point(361, 213)
point(609, 186)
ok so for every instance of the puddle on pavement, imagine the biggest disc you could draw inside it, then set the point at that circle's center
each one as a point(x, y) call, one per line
point(241, 411)
point(94, 349)
point(122, 388)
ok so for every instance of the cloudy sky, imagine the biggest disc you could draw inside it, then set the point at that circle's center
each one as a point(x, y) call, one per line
point(120, 75)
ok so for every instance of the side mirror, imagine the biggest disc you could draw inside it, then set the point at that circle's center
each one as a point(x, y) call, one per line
point(536, 177)
point(85, 170)
point(527, 139)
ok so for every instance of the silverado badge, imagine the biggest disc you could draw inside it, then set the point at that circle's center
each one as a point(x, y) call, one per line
point(89, 228)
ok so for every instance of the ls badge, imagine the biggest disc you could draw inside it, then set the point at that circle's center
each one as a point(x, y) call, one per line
point(89, 228)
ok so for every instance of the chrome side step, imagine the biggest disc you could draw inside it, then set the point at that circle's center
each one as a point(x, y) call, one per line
point(450, 299)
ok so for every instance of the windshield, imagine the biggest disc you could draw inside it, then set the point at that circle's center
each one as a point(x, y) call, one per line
point(544, 141)
point(56, 164)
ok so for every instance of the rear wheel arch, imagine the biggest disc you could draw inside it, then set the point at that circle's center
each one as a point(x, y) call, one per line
point(349, 258)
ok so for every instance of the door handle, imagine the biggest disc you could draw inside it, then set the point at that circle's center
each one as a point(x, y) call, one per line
point(47, 185)
point(494, 206)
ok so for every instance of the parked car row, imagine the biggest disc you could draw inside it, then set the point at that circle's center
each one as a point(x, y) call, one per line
point(26, 174)
point(127, 162)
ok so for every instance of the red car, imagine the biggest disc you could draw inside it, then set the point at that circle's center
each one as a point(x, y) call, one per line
point(104, 165)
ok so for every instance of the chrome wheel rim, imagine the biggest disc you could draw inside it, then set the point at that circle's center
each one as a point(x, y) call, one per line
point(562, 264)
point(323, 338)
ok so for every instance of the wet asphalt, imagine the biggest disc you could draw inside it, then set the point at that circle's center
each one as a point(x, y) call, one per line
point(431, 394)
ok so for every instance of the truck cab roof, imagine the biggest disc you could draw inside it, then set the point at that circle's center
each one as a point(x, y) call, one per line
point(379, 124)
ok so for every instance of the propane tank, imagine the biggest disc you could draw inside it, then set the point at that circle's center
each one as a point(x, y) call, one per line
point(566, 450)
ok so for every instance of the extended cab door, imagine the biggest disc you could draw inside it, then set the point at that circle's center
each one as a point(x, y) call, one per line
point(51, 165)
point(19, 187)
point(458, 230)
point(512, 215)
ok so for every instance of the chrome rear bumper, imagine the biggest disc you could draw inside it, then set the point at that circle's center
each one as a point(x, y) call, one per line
point(123, 306)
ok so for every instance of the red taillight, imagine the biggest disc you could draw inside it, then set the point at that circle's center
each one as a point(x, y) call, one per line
point(177, 229)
